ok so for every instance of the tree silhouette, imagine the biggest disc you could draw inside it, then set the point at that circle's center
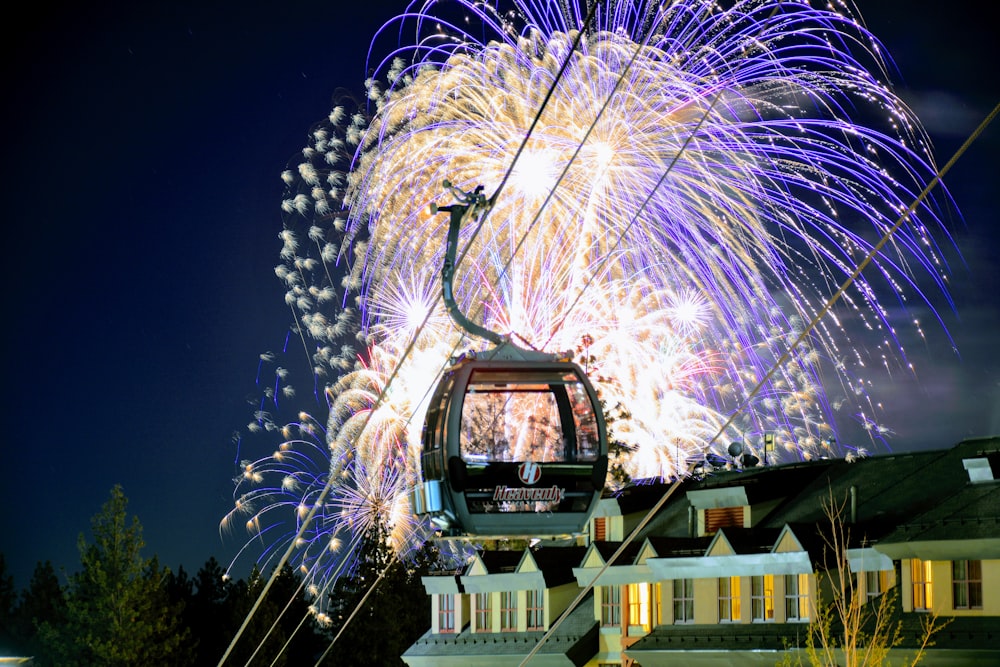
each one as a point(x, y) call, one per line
point(42, 602)
point(118, 612)
point(396, 613)
point(205, 611)
point(8, 598)
point(241, 598)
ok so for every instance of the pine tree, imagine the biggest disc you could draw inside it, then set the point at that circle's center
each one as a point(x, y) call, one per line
point(42, 602)
point(207, 614)
point(180, 595)
point(8, 596)
point(396, 613)
point(118, 612)
point(241, 599)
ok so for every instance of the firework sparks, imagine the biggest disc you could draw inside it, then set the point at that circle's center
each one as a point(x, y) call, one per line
point(686, 233)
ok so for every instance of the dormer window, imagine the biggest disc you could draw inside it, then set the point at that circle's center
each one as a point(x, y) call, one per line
point(483, 621)
point(508, 611)
point(446, 613)
point(600, 529)
point(536, 610)
point(722, 517)
point(719, 508)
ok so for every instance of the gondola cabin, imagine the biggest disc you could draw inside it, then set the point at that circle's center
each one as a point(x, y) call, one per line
point(514, 444)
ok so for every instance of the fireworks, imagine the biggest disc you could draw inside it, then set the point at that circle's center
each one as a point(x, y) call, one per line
point(697, 186)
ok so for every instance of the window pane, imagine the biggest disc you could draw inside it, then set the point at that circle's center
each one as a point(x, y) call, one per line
point(762, 598)
point(967, 585)
point(515, 416)
point(610, 606)
point(923, 591)
point(483, 621)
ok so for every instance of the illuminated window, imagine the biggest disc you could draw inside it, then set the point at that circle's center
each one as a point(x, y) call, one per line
point(638, 605)
point(762, 598)
point(611, 606)
point(508, 611)
point(876, 583)
point(967, 584)
point(923, 584)
point(536, 610)
point(483, 621)
point(729, 600)
point(446, 613)
point(657, 604)
point(683, 600)
point(796, 597)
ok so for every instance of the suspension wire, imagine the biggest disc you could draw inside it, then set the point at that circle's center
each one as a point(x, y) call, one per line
point(267, 634)
point(288, 641)
point(562, 175)
point(591, 12)
point(357, 608)
point(648, 517)
point(284, 647)
point(329, 485)
point(480, 224)
point(639, 211)
point(354, 543)
point(886, 237)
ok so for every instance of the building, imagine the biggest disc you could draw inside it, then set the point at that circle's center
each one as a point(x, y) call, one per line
point(734, 565)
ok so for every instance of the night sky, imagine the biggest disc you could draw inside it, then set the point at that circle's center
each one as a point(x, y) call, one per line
point(141, 174)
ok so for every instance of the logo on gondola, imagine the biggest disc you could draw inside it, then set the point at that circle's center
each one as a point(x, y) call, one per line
point(529, 472)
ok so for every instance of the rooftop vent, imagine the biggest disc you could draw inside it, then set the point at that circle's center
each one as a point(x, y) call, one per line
point(979, 470)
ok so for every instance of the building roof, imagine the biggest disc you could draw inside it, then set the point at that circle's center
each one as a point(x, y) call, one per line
point(572, 644)
point(608, 549)
point(497, 562)
point(557, 563)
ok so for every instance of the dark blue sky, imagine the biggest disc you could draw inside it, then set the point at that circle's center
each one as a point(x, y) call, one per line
point(141, 173)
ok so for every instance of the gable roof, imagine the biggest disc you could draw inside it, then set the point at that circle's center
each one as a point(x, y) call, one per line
point(573, 643)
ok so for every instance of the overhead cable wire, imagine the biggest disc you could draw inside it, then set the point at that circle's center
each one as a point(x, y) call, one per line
point(329, 485)
point(305, 616)
point(481, 222)
point(357, 608)
point(886, 237)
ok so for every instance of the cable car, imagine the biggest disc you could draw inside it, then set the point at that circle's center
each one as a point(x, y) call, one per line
point(514, 441)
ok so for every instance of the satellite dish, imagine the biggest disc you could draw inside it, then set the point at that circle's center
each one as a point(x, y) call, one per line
point(715, 460)
point(735, 449)
point(749, 460)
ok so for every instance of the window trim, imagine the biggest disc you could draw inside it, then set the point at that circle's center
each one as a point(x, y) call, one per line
point(881, 580)
point(536, 610)
point(640, 609)
point(729, 599)
point(446, 613)
point(684, 601)
point(611, 606)
point(970, 584)
point(797, 598)
point(484, 620)
point(508, 611)
point(762, 602)
point(922, 585)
